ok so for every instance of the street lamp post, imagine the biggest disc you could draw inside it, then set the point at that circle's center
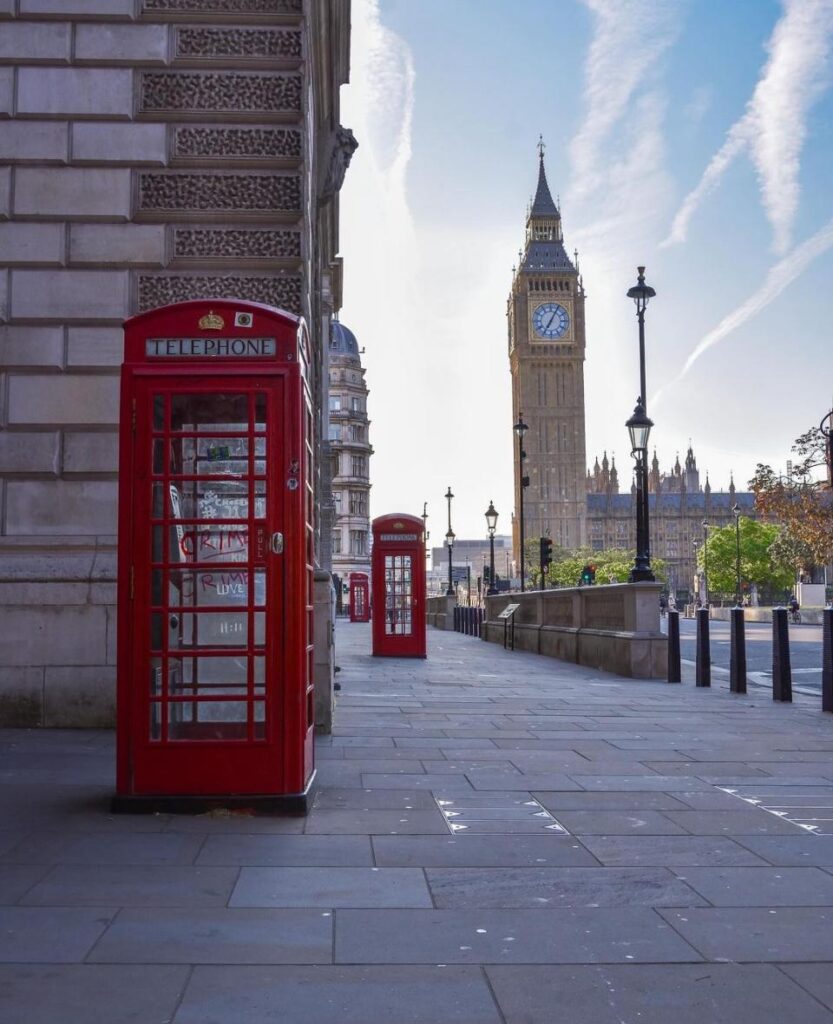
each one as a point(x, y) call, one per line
point(520, 429)
point(641, 293)
point(425, 533)
point(639, 428)
point(736, 514)
point(828, 445)
point(449, 539)
point(705, 526)
point(491, 524)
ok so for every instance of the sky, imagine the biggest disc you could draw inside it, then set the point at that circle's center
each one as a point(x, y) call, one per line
point(694, 137)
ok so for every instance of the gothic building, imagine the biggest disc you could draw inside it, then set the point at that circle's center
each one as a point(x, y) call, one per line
point(564, 500)
point(350, 453)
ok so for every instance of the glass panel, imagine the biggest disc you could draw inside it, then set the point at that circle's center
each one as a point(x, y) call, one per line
point(156, 721)
point(157, 504)
point(155, 677)
point(215, 629)
point(209, 499)
point(215, 587)
point(259, 667)
point(197, 677)
point(210, 720)
point(215, 542)
point(205, 412)
point(157, 544)
point(156, 577)
point(260, 499)
point(398, 620)
point(260, 412)
point(158, 412)
point(156, 630)
point(159, 447)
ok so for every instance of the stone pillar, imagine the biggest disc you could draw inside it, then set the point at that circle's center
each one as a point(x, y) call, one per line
point(324, 654)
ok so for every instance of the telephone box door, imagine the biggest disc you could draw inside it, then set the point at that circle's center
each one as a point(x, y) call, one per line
point(207, 648)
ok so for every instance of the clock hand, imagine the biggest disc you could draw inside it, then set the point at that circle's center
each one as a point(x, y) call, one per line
point(547, 324)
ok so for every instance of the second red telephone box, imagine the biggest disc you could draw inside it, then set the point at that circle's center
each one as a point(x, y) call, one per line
point(359, 597)
point(398, 586)
point(215, 689)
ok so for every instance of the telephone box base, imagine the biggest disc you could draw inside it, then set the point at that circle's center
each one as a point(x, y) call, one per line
point(259, 805)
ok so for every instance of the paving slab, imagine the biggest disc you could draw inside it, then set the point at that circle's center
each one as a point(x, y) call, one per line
point(217, 936)
point(50, 935)
point(376, 822)
point(618, 801)
point(669, 850)
point(650, 994)
point(94, 848)
point(17, 879)
point(138, 885)
point(548, 888)
point(817, 979)
point(611, 823)
point(333, 798)
point(756, 887)
point(753, 822)
point(339, 995)
point(288, 851)
point(796, 851)
point(758, 934)
point(331, 887)
point(609, 935)
point(89, 993)
point(482, 851)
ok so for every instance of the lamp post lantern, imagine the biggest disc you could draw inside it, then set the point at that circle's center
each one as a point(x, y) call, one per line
point(449, 539)
point(639, 427)
point(520, 429)
point(705, 526)
point(736, 514)
point(491, 524)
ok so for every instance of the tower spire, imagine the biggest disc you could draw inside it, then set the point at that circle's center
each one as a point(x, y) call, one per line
point(542, 204)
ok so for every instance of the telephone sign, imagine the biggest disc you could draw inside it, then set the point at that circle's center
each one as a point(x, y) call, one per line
point(215, 698)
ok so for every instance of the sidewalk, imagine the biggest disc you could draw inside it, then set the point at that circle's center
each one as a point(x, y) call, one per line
point(498, 839)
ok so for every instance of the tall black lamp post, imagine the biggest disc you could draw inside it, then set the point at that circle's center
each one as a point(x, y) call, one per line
point(449, 539)
point(520, 429)
point(828, 446)
point(425, 533)
point(705, 526)
point(639, 428)
point(491, 523)
point(736, 514)
point(641, 293)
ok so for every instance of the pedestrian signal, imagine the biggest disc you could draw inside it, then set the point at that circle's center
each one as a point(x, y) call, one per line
point(588, 575)
point(546, 553)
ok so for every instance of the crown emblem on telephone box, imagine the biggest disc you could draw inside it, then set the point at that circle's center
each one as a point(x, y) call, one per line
point(212, 322)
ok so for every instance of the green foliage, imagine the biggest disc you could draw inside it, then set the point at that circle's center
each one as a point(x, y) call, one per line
point(612, 566)
point(762, 560)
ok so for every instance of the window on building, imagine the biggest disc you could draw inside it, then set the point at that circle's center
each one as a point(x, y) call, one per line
point(358, 503)
point(337, 500)
point(358, 542)
point(336, 542)
point(357, 405)
point(357, 433)
point(335, 432)
point(335, 403)
point(359, 465)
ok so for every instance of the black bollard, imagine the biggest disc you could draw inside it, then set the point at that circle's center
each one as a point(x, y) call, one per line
point(782, 680)
point(456, 619)
point(827, 660)
point(737, 656)
point(704, 654)
point(674, 675)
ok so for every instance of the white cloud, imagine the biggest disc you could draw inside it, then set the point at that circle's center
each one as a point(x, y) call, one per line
point(780, 277)
point(774, 125)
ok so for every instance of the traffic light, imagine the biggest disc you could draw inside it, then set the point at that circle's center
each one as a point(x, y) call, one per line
point(546, 553)
point(487, 574)
point(588, 575)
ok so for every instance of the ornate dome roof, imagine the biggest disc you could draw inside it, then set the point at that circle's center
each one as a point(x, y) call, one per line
point(343, 341)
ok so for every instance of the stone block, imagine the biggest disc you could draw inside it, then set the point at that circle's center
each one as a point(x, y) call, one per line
point(115, 143)
point(63, 399)
point(95, 346)
point(28, 452)
point(21, 697)
point(122, 44)
point(53, 635)
point(6, 91)
point(88, 192)
point(41, 508)
point(87, 452)
point(4, 298)
point(22, 243)
point(123, 9)
point(70, 294)
point(29, 42)
point(57, 560)
point(5, 192)
point(44, 141)
point(32, 346)
point(244, 95)
point(278, 289)
point(139, 244)
point(102, 593)
point(82, 92)
point(6, 8)
point(39, 592)
point(80, 698)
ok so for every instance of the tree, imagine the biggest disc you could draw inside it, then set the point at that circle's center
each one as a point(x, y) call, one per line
point(802, 502)
point(612, 566)
point(759, 564)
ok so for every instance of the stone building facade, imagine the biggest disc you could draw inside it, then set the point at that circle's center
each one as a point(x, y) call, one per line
point(350, 452)
point(565, 501)
point(150, 151)
point(546, 357)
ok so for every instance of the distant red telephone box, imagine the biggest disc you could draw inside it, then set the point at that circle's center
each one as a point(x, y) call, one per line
point(359, 597)
point(398, 568)
point(215, 690)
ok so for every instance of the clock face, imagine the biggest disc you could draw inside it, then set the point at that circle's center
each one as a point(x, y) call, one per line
point(550, 320)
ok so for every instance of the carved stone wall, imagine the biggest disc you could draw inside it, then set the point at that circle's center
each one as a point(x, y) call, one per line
point(283, 291)
point(236, 244)
point(225, 7)
point(241, 44)
point(252, 144)
point(182, 193)
point(265, 94)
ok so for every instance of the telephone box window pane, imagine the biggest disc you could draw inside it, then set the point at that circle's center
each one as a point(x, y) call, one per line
point(214, 629)
point(259, 674)
point(204, 412)
point(159, 448)
point(215, 588)
point(157, 544)
point(157, 503)
point(208, 677)
point(260, 499)
point(260, 412)
point(158, 412)
point(209, 499)
point(156, 677)
point(157, 620)
point(217, 542)
point(156, 721)
point(259, 720)
point(156, 590)
point(210, 720)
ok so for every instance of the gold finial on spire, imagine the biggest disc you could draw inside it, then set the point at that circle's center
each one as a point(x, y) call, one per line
point(541, 146)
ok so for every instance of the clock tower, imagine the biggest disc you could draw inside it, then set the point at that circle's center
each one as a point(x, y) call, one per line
point(546, 357)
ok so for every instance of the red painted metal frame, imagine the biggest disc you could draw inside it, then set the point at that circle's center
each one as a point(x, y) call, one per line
point(280, 763)
point(359, 597)
point(385, 528)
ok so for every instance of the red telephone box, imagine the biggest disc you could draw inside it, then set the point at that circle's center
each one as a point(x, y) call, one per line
point(398, 567)
point(215, 687)
point(359, 597)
